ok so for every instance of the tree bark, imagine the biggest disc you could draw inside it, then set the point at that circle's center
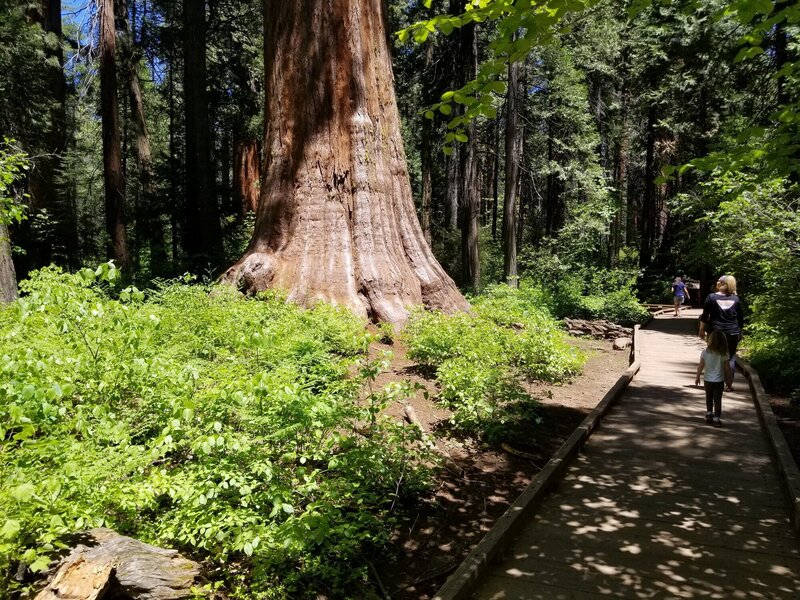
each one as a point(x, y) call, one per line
point(8, 277)
point(470, 196)
point(149, 212)
point(113, 178)
point(246, 174)
point(649, 216)
point(426, 157)
point(46, 193)
point(336, 219)
point(495, 176)
point(202, 240)
point(511, 179)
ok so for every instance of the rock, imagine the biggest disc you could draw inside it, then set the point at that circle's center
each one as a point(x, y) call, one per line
point(622, 343)
point(109, 564)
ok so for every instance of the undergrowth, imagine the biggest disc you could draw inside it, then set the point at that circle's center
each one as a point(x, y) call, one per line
point(245, 433)
point(480, 360)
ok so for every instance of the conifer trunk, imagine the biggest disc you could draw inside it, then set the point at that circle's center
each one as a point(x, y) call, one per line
point(336, 218)
point(202, 239)
point(470, 196)
point(113, 177)
point(511, 179)
point(246, 174)
point(8, 277)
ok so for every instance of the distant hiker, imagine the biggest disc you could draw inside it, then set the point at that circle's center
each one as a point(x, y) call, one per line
point(722, 311)
point(679, 294)
point(718, 372)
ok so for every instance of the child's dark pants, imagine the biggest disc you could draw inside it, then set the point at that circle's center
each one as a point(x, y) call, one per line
point(714, 397)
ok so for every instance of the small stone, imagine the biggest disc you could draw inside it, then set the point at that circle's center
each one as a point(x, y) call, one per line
point(622, 343)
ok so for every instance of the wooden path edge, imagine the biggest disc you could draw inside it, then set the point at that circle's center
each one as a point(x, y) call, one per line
point(478, 561)
point(790, 474)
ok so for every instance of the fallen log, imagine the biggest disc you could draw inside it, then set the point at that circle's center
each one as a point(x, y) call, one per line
point(109, 565)
point(597, 329)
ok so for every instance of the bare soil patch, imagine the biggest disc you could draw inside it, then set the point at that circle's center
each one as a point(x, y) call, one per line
point(481, 482)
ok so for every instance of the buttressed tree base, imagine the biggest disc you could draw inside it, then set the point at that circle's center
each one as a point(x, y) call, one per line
point(336, 219)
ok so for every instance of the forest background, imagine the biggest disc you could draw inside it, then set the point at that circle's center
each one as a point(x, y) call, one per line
point(622, 144)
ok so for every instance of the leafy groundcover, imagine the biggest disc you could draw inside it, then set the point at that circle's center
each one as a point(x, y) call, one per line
point(242, 432)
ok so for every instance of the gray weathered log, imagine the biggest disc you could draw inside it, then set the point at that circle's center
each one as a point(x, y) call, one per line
point(597, 329)
point(109, 563)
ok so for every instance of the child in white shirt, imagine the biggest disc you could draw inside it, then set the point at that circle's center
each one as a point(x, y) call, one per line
point(714, 361)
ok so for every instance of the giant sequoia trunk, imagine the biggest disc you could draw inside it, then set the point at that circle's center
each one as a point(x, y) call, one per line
point(336, 219)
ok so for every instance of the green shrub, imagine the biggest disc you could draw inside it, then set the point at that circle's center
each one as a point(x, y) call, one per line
point(479, 359)
point(599, 295)
point(232, 429)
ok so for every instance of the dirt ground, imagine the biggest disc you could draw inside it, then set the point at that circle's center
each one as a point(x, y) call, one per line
point(480, 482)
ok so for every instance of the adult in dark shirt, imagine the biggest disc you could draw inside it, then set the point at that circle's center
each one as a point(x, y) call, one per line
point(722, 311)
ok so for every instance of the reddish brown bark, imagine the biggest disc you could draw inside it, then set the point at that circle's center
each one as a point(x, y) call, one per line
point(246, 174)
point(336, 219)
point(113, 177)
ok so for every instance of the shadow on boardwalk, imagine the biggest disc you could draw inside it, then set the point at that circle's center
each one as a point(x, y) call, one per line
point(660, 504)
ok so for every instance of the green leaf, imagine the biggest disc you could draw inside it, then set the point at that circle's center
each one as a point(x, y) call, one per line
point(420, 35)
point(23, 492)
point(498, 87)
point(40, 564)
point(445, 109)
point(10, 529)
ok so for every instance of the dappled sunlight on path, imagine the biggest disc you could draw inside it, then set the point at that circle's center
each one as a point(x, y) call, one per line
point(660, 504)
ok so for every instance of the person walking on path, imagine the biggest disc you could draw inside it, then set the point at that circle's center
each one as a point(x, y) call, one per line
point(679, 294)
point(716, 371)
point(722, 311)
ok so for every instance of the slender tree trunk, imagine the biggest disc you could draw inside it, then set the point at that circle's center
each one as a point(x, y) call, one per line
point(246, 174)
point(336, 219)
point(149, 213)
point(453, 170)
point(173, 152)
point(8, 277)
point(470, 197)
point(649, 216)
point(511, 178)
point(226, 190)
point(112, 145)
point(780, 52)
point(495, 177)
point(46, 193)
point(203, 241)
point(426, 157)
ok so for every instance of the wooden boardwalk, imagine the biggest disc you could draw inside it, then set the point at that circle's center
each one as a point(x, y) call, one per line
point(660, 504)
